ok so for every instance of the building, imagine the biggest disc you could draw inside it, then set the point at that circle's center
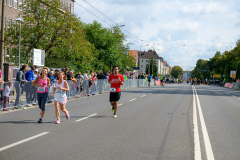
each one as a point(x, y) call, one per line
point(163, 68)
point(13, 8)
point(186, 75)
point(134, 53)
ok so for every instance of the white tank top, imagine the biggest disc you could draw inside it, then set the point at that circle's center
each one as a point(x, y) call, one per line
point(60, 85)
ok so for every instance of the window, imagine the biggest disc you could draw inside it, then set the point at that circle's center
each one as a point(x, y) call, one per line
point(9, 24)
point(20, 5)
point(71, 8)
point(0, 1)
point(66, 4)
point(142, 60)
point(10, 3)
point(15, 4)
point(146, 60)
point(141, 66)
point(5, 2)
point(63, 4)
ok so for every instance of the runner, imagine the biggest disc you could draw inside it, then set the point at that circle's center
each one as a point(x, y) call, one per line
point(60, 97)
point(149, 80)
point(116, 80)
point(42, 91)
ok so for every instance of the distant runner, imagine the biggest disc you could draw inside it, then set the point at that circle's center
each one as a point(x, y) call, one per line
point(149, 80)
point(116, 80)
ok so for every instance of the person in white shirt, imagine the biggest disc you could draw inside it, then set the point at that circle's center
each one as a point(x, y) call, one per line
point(6, 93)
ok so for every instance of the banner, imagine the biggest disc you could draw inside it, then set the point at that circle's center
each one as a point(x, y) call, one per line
point(38, 57)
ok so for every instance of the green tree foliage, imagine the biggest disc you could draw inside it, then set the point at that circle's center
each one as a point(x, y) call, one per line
point(46, 26)
point(109, 44)
point(177, 71)
point(155, 68)
point(201, 70)
point(220, 63)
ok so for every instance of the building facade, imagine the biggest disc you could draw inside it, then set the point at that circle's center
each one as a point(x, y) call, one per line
point(13, 8)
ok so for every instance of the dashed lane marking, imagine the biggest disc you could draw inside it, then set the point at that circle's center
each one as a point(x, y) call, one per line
point(86, 117)
point(22, 141)
point(120, 104)
point(132, 99)
point(143, 95)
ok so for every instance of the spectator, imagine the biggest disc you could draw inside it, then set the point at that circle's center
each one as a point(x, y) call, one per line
point(100, 77)
point(66, 71)
point(51, 77)
point(18, 85)
point(7, 89)
point(56, 74)
point(29, 86)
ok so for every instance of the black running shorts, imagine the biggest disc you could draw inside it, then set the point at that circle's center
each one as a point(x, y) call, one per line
point(115, 96)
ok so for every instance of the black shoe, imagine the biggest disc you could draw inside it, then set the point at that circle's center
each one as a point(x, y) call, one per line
point(40, 120)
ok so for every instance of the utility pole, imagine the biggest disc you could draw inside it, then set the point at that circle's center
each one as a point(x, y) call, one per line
point(2, 36)
point(152, 66)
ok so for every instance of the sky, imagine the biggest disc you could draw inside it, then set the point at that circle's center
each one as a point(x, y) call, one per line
point(180, 31)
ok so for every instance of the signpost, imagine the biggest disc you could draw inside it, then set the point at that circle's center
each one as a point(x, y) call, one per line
point(38, 57)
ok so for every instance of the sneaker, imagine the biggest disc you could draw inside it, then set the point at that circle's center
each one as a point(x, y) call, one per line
point(112, 109)
point(40, 120)
point(57, 121)
point(67, 115)
point(114, 115)
point(16, 108)
point(5, 109)
point(34, 104)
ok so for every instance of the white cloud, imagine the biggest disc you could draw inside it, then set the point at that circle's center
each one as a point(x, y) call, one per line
point(203, 26)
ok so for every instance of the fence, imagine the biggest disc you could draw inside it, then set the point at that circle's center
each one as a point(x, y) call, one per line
point(18, 95)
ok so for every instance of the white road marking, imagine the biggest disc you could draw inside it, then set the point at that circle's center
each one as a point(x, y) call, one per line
point(143, 95)
point(22, 141)
point(119, 104)
point(86, 117)
point(233, 96)
point(197, 148)
point(132, 99)
point(207, 142)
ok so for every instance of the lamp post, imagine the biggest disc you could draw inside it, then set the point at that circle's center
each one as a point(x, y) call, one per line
point(19, 51)
point(2, 36)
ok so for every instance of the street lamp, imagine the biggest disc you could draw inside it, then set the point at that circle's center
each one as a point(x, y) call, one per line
point(20, 20)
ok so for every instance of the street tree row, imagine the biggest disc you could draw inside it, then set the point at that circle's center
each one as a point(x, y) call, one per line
point(67, 41)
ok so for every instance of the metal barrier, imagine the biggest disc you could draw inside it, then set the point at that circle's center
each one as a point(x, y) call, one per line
point(25, 94)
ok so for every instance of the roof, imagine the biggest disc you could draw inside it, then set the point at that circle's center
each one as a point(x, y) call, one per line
point(149, 54)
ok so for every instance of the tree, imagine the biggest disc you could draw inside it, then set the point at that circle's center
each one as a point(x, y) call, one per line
point(109, 44)
point(177, 71)
point(201, 70)
point(49, 28)
point(155, 68)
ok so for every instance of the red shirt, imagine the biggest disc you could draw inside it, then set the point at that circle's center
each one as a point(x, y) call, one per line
point(116, 83)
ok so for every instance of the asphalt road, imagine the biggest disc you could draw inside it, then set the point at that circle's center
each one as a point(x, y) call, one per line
point(178, 121)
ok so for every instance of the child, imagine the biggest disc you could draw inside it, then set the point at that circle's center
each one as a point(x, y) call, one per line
point(6, 93)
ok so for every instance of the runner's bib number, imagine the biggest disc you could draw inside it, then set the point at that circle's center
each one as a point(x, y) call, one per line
point(58, 90)
point(41, 89)
point(112, 89)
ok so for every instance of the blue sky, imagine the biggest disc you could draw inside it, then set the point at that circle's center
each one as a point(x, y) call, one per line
point(180, 31)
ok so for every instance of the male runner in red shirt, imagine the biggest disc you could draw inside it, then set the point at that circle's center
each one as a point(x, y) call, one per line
point(116, 80)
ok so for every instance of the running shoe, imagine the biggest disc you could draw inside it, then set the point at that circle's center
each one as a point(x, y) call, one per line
point(112, 109)
point(114, 115)
point(40, 120)
point(57, 121)
point(5, 109)
point(67, 115)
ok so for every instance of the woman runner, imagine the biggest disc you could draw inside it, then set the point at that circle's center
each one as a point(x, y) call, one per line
point(42, 92)
point(60, 97)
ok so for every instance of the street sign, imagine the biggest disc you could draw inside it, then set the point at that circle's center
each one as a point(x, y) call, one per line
point(136, 68)
point(217, 75)
point(38, 57)
point(231, 74)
